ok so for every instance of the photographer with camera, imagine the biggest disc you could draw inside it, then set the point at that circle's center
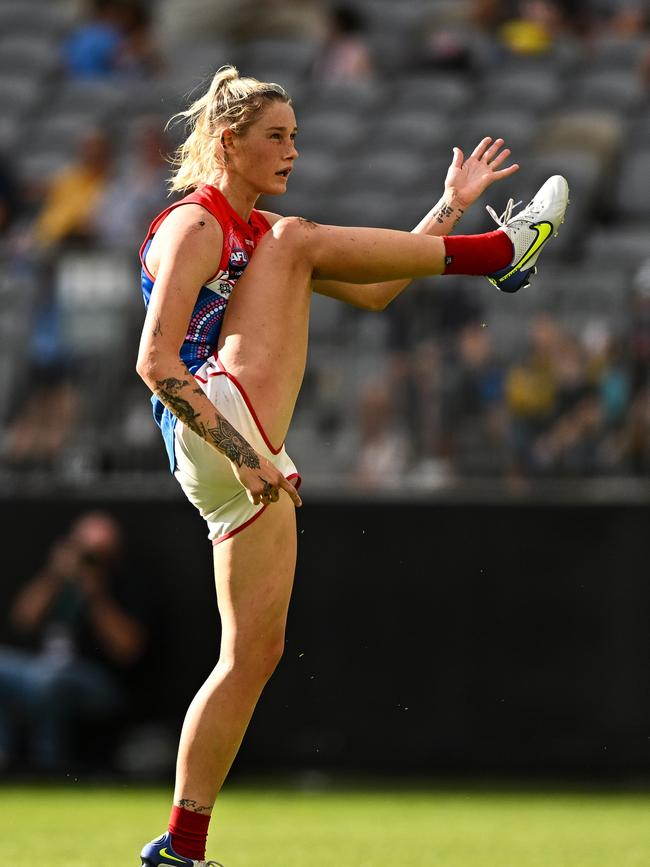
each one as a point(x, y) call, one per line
point(81, 641)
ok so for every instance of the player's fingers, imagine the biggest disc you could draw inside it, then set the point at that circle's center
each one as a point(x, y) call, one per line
point(493, 150)
point(505, 173)
point(481, 147)
point(286, 485)
point(459, 156)
point(500, 158)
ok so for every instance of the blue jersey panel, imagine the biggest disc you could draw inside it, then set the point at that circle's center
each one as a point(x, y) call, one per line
point(202, 335)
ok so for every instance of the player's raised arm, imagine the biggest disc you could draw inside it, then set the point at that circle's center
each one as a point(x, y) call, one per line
point(466, 180)
point(190, 242)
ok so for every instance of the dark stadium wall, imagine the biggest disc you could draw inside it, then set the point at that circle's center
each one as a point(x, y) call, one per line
point(422, 637)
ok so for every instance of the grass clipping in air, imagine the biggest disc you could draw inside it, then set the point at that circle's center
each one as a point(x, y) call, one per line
point(75, 826)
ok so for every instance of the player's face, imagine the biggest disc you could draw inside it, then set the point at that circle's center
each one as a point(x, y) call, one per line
point(265, 153)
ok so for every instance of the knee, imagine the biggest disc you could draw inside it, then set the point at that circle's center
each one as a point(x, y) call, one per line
point(270, 658)
point(295, 233)
point(256, 660)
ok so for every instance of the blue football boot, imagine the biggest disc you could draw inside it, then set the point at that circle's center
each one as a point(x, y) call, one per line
point(530, 230)
point(159, 853)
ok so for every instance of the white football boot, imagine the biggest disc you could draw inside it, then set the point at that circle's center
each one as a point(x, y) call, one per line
point(530, 230)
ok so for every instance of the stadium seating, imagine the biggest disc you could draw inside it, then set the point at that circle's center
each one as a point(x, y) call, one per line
point(373, 152)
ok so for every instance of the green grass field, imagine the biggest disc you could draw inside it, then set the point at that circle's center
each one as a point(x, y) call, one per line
point(78, 826)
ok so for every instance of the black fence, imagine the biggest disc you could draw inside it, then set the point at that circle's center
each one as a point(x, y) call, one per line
point(422, 637)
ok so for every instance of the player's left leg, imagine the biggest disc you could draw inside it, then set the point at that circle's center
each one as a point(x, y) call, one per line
point(254, 572)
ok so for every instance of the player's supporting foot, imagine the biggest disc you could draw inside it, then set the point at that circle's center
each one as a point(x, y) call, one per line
point(529, 231)
point(159, 853)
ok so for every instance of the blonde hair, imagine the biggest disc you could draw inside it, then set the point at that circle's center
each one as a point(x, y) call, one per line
point(231, 102)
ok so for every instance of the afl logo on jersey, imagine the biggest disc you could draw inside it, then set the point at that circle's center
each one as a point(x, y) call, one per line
point(237, 262)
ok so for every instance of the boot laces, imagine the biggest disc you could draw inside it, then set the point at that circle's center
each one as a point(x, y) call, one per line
point(506, 216)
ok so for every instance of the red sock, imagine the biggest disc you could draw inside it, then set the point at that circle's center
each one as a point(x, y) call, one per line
point(189, 832)
point(477, 254)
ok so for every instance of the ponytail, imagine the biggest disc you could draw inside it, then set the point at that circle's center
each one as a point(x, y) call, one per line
point(230, 102)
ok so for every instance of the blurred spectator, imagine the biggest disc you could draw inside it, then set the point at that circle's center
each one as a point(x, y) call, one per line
point(530, 392)
point(629, 19)
point(344, 56)
point(73, 195)
point(382, 452)
point(93, 47)
point(608, 369)
point(568, 402)
point(138, 191)
point(569, 373)
point(572, 445)
point(138, 56)
point(45, 421)
point(448, 42)
point(630, 450)
point(84, 637)
point(534, 27)
point(474, 416)
point(640, 328)
point(488, 15)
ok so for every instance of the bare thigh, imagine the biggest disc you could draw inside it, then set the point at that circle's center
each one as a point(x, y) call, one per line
point(254, 573)
point(263, 340)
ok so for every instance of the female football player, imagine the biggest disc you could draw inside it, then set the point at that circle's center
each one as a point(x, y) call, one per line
point(223, 350)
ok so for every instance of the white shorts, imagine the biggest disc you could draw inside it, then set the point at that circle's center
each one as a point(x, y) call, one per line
point(205, 475)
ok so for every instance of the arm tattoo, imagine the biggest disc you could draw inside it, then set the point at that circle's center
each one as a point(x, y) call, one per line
point(444, 212)
point(157, 331)
point(189, 804)
point(233, 446)
point(223, 435)
point(167, 390)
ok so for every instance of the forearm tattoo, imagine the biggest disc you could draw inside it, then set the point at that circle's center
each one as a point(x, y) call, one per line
point(223, 434)
point(157, 331)
point(167, 390)
point(189, 804)
point(446, 212)
point(233, 446)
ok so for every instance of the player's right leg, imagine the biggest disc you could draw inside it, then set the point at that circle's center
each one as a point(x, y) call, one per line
point(264, 334)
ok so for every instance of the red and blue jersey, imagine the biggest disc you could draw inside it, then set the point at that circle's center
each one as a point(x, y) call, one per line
point(239, 240)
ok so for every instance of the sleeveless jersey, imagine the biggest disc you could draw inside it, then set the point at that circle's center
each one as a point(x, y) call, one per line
point(239, 240)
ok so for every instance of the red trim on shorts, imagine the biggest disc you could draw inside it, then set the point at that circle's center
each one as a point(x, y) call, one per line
point(223, 372)
point(234, 532)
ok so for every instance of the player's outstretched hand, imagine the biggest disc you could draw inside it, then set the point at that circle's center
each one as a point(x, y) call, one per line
point(467, 179)
point(263, 483)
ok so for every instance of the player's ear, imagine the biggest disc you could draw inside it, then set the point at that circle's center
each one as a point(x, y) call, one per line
point(226, 140)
